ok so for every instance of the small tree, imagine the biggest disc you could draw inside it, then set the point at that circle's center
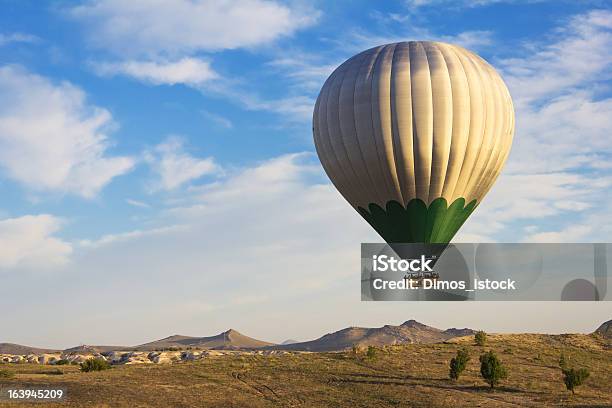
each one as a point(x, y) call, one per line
point(492, 369)
point(458, 363)
point(94, 364)
point(480, 338)
point(574, 377)
point(562, 361)
point(371, 352)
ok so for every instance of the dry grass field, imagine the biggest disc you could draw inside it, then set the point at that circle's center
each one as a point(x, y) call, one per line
point(401, 376)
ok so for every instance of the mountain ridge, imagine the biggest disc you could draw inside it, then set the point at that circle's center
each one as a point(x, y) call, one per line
point(13, 348)
point(409, 332)
point(605, 330)
point(229, 339)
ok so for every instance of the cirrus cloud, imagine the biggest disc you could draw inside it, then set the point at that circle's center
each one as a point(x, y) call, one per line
point(188, 71)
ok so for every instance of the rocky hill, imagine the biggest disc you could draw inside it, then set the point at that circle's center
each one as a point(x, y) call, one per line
point(605, 330)
point(227, 340)
point(410, 331)
point(11, 348)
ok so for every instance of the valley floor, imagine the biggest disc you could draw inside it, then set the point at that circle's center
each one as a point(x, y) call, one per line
point(403, 376)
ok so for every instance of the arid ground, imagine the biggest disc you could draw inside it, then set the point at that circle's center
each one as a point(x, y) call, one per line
point(413, 375)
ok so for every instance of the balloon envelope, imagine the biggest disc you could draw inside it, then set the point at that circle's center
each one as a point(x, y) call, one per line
point(413, 135)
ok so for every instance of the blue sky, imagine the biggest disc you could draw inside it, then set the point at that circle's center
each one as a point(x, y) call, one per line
point(160, 153)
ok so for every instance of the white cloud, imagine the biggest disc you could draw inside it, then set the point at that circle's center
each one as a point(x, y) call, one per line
point(136, 203)
point(175, 27)
point(306, 71)
point(263, 236)
point(561, 133)
point(461, 3)
point(359, 40)
point(28, 242)
point(128, 236)
point(51, 139)
point(188, 71)
point(12, 38)
point(175, 167)
point(218, 119)
point(579, 57)
point(531, 196)
point(293, 108)
point(473, 40)
point(197, 74)
point(166, 36)
point(573, 233)
point(262, 183)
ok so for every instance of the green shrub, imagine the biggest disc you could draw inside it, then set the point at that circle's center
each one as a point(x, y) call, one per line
point(480, 338)
point(563, 361)
point(574, 377)
point(371, 353)
point(63, 361)
point(492, 369)
point(94, 364)
point(458, 363)
point(6, 374)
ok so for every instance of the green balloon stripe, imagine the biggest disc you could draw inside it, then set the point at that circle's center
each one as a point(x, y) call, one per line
point(416, 222)
point(447, 220)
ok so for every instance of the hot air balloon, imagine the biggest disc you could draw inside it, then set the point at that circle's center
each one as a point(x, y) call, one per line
point(413, 135)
